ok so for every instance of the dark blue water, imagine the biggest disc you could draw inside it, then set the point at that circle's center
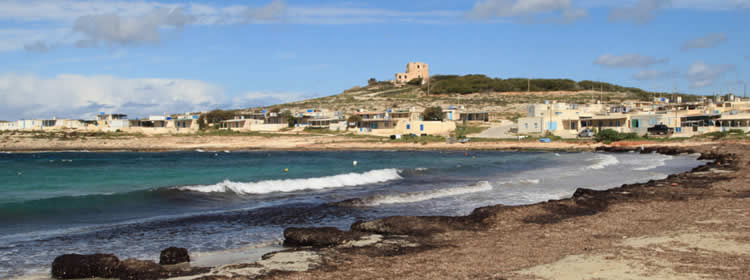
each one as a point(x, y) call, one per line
point(135, 204)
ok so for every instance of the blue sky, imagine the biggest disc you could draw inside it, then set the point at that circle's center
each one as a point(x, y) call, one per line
point(69, 58)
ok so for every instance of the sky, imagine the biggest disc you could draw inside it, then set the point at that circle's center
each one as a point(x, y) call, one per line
point(74, 58)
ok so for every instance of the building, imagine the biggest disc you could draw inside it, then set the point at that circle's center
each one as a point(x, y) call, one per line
point(414, 70)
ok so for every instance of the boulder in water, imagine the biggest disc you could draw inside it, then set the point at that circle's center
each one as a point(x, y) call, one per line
point(73, 266)
point(174, 255)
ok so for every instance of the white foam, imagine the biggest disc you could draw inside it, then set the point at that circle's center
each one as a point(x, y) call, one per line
point(603, 161)
point(654, 163)
point(482, 186)
point(529, 181)
point(290, 185)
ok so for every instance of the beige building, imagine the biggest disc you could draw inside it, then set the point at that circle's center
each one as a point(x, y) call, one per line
point(414, 70)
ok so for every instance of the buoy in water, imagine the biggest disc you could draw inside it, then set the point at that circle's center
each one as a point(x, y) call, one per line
point(286, 169)
point(354, 163)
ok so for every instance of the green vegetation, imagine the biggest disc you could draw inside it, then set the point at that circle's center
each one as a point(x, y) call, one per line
point(447, 84)
point(433, 114)
point(214, 117)
point(410, 138)
point(730, 134)
point(415, 82)
point(609, 136)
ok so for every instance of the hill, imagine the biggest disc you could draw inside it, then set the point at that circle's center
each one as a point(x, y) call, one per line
point(504, 98)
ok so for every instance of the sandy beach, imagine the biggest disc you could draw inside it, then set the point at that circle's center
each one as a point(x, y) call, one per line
point(25, 143)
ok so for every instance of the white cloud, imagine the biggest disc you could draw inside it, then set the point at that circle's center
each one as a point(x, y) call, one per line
point(702, 75)
point(528, 10)
point(116, 30)
point(76, 96)
point(273, 11)
point(641, 12)
point(709, 41)
point(649, 74)
point(628, 61)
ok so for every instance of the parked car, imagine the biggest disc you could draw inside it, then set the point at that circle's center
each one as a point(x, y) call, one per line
point(586, 133)
point(660, 129)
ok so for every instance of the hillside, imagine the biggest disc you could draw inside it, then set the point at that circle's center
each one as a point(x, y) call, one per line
point(504, 98)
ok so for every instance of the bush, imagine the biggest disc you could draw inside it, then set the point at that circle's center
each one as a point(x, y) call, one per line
point(415, 82)
point(214, 117)
point(609, 136)
point(433, 114)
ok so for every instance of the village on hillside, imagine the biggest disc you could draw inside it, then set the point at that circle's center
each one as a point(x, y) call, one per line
point(661, 115)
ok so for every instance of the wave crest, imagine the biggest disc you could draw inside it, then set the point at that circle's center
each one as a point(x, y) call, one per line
point(603, 161)
point(290, 185)
point(401, 198)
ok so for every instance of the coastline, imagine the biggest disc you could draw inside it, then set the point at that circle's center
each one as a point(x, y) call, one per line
point(633, 229)
point(520, 236)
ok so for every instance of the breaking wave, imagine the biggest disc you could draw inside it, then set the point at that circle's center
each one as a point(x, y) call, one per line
point(603, 161)
point(401, 198)
point(656, 162)
point(290, 185)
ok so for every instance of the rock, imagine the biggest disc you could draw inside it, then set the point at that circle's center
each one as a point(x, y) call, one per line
point(318, 237)
point(132, 269)
point(73, 266)
point(174, 255)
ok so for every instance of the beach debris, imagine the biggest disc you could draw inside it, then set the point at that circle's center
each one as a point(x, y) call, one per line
point(174, 255)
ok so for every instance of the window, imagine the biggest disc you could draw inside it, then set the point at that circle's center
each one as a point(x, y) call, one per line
point(536, 125)
point(526, 125)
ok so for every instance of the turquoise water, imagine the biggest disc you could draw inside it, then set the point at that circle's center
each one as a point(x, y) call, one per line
point(135, 204)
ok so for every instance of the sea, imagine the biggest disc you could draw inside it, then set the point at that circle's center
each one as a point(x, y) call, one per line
point(237, 204)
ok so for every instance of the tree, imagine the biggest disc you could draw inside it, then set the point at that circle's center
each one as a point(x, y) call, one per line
point(276, 110)
point(214, 117)
point(289, 117)
point(372, 81)
point(353, 119)
point(433, 114)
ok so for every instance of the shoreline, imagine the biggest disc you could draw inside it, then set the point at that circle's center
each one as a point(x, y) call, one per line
point(410, 237)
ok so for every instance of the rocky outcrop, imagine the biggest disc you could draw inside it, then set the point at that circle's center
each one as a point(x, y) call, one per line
point(174, 255)
point(132, 269)
point(74, 266)
point(318, 237)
